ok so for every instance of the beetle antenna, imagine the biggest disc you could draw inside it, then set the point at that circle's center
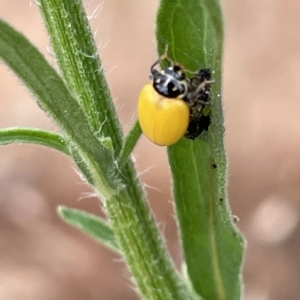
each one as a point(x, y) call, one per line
point(161, 58)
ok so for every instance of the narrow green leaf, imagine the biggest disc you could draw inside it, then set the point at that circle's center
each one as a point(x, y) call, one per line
point(33, 136)
point(53, 96)
point(78, 58)
point(184, 26)
point(91, 224)
point(212, 246)
point(129, 143)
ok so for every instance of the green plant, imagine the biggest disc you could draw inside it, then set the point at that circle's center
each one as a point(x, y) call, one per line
point(79, 102)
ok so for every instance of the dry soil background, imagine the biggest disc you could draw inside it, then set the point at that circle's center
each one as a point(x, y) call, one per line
point(42, 258)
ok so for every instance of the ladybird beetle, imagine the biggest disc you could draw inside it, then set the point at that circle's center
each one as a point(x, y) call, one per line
point(163, 114)
point(171, 106)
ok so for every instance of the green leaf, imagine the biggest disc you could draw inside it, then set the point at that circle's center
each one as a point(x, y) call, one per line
point(91, 224)
point(212, 246)
point(78, 59)
point(53, 96)
point(185, 27)
point(129, 143)
point(33, 136)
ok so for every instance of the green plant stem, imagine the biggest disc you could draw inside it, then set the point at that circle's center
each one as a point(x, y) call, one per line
point(127, 208)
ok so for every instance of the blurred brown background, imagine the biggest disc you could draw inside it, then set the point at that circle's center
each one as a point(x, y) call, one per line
point(42, 258)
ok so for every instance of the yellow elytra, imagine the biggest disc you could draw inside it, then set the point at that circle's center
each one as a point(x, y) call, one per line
point(163, 120)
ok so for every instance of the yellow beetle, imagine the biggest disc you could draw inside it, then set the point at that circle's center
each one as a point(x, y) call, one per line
point(163, 114)
point(163, 120)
